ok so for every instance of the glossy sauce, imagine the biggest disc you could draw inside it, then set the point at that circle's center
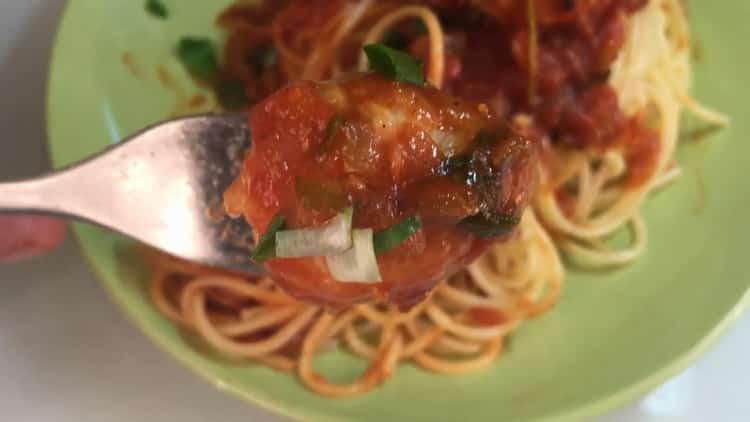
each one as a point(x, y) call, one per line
point(487, 317)
point(572, 104)
point(383, 148)
point(488, 59)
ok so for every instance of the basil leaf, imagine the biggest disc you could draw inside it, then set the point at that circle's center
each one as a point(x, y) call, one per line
point(393, 236)
point(199, 57)
point(265, 249)
point(157, 9)
point(394, 64)
point(486, 226)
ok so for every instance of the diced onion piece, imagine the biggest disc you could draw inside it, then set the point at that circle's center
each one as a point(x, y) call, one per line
point(358, 264)
point(332, 238)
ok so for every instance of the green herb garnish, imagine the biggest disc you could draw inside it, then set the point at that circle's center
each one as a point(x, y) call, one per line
point(486, 226)
point(393, 236)
point(394, 64)
point(199, 57)
point(333, 126)
point(157, 9)
point(262, 58)
point(329, 134)
point(265, 249)
point(231, 95)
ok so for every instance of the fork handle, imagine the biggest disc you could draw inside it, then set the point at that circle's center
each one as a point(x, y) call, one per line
point(87, 191)
point(40, 195)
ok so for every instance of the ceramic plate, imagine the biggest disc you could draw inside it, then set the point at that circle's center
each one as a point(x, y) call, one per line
point(613, 336)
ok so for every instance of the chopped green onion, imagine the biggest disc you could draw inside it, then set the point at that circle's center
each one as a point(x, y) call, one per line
point(262, 58)
point(157, 9)
point(358, 264)
point(332, 127)
point(394, 64)
point(266, 247)
point(486, 226)
point(393, 236)
point(231, 95)
point(199, 57)
point(332, 238)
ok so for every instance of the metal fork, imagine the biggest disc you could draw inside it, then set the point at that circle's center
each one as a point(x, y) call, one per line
point(162, 187)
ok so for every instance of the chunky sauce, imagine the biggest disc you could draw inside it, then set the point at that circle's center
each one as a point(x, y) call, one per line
point(566, 92)
point(390, 150)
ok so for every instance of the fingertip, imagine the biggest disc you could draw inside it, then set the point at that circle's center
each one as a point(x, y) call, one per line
point(25, 236)
point(53, 231)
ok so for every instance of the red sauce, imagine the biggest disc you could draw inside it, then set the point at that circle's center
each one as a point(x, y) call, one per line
point(573, 106)
point(642, 149)
point(487, 60)
point(130, 64)
point(486, 317)
point(566, 202)
point(387, 158)
point(394, 171)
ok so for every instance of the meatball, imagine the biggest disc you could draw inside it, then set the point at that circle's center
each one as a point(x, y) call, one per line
point(390, 151)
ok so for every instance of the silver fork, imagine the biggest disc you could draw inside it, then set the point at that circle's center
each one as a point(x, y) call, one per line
point(162, 187)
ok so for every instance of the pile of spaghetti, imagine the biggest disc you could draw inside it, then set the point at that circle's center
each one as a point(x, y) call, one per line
point(600, 83)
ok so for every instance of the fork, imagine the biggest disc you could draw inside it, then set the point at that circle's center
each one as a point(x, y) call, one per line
point(162, 187)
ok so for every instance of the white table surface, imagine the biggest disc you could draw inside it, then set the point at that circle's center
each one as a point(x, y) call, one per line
point(68, 355)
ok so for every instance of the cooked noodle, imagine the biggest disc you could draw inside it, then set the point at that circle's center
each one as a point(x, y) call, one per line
point(652, 72)
point(462, 325)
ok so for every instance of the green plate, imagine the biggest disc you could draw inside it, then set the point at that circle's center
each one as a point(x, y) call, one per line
point(613, 337)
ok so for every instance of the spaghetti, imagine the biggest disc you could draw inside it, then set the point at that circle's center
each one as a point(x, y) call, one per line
point(461, 327)
point(590, 189)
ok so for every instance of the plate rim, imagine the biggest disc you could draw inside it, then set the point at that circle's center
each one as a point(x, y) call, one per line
point(595, 408)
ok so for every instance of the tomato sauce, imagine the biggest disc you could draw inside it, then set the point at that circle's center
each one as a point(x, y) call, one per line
point(488, 59)
point(391, 155)
point(486, 316)
point(385, 149)
point(571, 102)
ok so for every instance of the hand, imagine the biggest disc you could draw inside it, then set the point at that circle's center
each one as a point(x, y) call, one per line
point(26, 236)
